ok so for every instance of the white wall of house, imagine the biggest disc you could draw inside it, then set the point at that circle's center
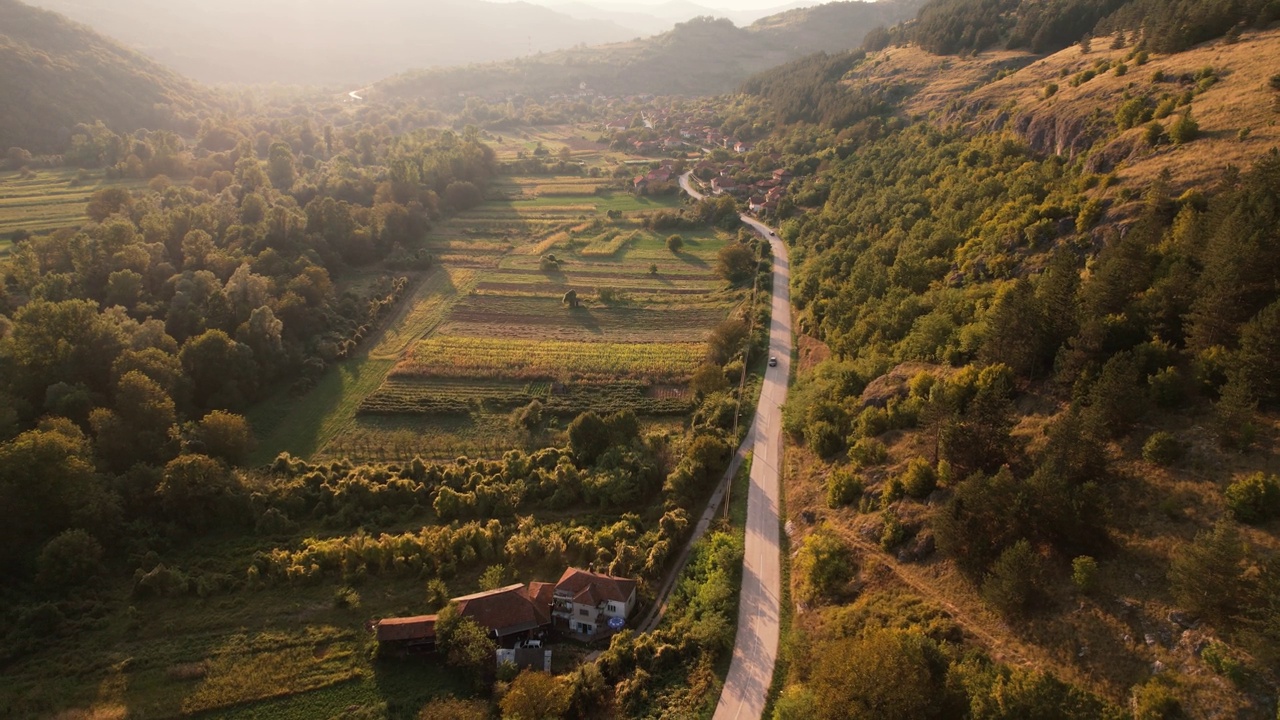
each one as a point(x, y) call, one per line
point(583, 618)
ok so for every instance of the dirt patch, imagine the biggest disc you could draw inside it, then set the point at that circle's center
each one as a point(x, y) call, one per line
point(811, 352)
point(894, 384)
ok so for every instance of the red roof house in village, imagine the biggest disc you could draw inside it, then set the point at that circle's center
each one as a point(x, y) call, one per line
point(585, 601)
point(720, 185)
point(505, 611)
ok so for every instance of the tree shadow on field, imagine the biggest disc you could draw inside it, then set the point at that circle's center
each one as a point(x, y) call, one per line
point(554, 272)
point(694, 260)
point(585, 319)
point(407, 683)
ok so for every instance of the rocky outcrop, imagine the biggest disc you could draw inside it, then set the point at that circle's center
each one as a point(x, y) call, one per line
point(1052, 133)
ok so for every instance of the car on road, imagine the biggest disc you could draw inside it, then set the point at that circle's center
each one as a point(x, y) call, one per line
point(773, 362)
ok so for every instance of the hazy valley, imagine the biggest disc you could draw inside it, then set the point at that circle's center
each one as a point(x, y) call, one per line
point(910, 359)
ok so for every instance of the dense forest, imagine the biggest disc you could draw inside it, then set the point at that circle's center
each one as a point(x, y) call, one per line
point(185, 303)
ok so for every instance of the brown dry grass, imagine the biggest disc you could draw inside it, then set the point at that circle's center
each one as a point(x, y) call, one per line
point(935, 80)
point(811, 351)
point(1240, 99)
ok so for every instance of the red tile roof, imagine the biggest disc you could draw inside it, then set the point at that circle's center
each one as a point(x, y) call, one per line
point(581, 583)
point(505, 610)
point(541, 595)
point(418, 627)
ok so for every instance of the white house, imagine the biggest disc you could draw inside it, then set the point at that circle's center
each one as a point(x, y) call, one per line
point(584, 601)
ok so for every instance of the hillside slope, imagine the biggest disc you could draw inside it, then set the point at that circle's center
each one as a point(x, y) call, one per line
point(702, 56)
point(1035, 415)
point(1046, 100)
point(55, 73)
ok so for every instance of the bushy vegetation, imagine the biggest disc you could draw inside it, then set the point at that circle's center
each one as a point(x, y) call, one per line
point(896, 657)
point(948, 27)
point(809, 90)
point(673, 668)
point(958, 279)
point(1254, 498)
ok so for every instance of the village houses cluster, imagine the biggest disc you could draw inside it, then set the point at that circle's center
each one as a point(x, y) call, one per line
point(683, 134)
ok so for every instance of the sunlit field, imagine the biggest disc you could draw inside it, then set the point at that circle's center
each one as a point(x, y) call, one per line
point(48, 199)
point(489, 328)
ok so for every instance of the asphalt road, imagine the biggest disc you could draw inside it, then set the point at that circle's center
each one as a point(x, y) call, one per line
point(755, 649)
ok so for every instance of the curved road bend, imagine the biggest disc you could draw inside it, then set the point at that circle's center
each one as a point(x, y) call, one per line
point(755, 649)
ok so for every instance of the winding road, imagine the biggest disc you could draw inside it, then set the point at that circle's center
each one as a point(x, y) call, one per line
point(755, 649)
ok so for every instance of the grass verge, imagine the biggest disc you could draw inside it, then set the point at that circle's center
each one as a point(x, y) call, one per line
point(301, 426)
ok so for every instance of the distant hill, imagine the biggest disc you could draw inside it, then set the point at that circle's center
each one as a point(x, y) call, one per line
point(654, 19)
point(55, 74)
point(702, 56)
point(331, 42)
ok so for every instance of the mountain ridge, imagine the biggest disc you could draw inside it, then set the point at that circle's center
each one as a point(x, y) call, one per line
point(701, 56)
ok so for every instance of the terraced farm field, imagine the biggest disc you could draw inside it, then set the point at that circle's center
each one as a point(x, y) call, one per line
point(488, 331)
point(546, 317)
point(537, 359)
point(450, 396)
point(48, 200)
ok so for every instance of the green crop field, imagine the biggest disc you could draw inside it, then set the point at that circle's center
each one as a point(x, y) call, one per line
point(487, 357)
point(372, 438)
point(49, 199)
point(542, 317)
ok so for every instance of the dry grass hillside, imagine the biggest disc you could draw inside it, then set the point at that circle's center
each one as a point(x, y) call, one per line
point(1237, 112)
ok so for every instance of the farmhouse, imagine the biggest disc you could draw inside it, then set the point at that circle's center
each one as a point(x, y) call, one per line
point(506, 611)
point(585, 601)
point(661, 175)
point(581, 602)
